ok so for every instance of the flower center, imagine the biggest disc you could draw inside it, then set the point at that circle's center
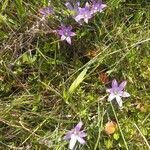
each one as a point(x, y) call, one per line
point(76, 132)
point(96, 7)
point(66, 33)
point(86, 16)
point(116, 92)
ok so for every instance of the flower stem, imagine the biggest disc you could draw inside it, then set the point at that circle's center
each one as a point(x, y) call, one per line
point(125, 143)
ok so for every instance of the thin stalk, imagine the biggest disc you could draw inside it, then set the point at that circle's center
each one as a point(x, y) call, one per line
point(100, 123)
point(142, 136)
point(125, 143)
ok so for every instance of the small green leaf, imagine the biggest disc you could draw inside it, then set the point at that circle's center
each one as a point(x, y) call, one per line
point(116, 136)
point(77, 81)
point(109, 144)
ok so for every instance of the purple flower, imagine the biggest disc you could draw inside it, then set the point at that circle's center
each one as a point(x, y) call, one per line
point(84, 13)
point(117, 92)
point(66, 33)
point(97, 6)
point(73, 9)
point(46, 11)
point(75, 135)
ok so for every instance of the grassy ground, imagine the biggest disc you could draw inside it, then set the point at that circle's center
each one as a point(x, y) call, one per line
point(37, 70)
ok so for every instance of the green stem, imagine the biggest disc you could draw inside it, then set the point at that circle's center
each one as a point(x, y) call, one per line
point(100, 122)
point(125, 143)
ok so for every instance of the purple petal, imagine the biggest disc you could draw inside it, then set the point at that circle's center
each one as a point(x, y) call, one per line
point(42, 12)
point(68, 135)
point(68, 39)
point(68, 5)
point(111, 97)
point(46, 11)
point(60, 32)
point(70, 28)
point(103, 6)
point(122, 85)
point(72, 142)
point(72, 34)
point(76, 6)
point(114, 83)
point(125, 94)
point(93, 1)
point(78, 18)
point(81, 140)
point(82, 134)
point(79, 126)
point(63, 27)
point(119, 100)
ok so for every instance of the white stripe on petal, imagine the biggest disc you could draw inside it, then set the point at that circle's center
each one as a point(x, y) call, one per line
point(103, 6)
point(73, 34)
point(125, 94)
point(86, 20)
point(111, 97)
point(81, 140)
point(68, 39)
point(108, 90)
point(78, 18)
point(72, 142)
point(63, 37)
point(87, 4)
point(119, 100)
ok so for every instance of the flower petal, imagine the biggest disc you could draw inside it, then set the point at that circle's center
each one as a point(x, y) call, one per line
point(86, 20)
point(77, 6)
point(103, 6)
point(68, 5)
point(111, 97)
point(68, 39)
point(68, 135)
point(82, 134)
point(60, 32)
point(114, 83)
point(72, 142)
point(125, 94)
point(63, 37)
point(122, 85)
point(70, 28)
point(78, 18)
point(72, 34)
point(108, 90)
point(79, 126)
point(119, 100)
point(87, 5)
point(81, 140)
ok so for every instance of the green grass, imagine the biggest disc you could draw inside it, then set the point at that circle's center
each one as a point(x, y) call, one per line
point(48, 86)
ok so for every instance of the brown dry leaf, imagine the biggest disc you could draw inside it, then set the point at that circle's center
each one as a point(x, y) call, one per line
point(110, 127)
point(141, 107)
point(91, 53)
point(1, 78)
point(103, 77)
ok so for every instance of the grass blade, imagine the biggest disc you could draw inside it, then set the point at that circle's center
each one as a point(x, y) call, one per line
point(77, 81)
